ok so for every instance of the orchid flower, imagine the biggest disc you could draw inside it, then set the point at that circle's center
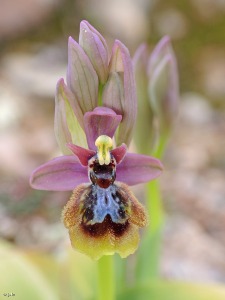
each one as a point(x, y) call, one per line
point(103, 216)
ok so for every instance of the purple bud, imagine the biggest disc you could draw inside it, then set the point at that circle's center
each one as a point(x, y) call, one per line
point(82, 79)
point(144, 133)
point(121, 63)
point(113, 93)
point(95, 47)
point(163, 83)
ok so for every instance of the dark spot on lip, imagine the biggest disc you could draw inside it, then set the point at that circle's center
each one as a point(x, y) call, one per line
point(122, 213)
point(88, 215)
point(102, 175)
point(103, 183)
point(107, 226)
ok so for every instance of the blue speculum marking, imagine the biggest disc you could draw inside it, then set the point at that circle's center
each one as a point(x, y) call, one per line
point(107, 202)
point(103, 197)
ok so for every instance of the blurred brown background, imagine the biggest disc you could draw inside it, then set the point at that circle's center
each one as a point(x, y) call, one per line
point(33, 56)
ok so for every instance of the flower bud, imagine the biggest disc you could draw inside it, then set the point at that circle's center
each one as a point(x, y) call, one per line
point(144, 133)
point(95, 47)
point(121, 63)
point(82, 79)
point(163, 84)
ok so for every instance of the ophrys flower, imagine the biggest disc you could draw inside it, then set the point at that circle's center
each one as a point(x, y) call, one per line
point(102, 216)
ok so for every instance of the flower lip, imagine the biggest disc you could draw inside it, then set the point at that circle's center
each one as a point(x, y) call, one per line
point(98, 203)
point(100, 227)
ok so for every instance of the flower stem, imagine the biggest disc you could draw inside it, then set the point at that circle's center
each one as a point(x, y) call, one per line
point(161, 146)
point(148, 267)
point(155, 207)
point(100, 90)
point(149, 253)
point(106, 282)
point(154, 201)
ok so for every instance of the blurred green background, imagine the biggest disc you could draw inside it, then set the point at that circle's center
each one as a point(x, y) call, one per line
point(33, 56)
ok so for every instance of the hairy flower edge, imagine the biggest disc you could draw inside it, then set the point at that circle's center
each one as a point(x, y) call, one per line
point(107, 237)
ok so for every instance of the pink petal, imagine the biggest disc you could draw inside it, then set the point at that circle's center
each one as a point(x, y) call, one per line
point(101, 121)
point(119, 153)
point(83, 154)
point(63, 173)
point(137, 168)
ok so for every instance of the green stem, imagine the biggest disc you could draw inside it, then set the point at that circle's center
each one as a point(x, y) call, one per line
point(148, 266)
point(149, 253)
point(100, 90)
point(152, 239)
point(154, 201)
point(159, 151)
point(154, 204)
point(106, 282)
